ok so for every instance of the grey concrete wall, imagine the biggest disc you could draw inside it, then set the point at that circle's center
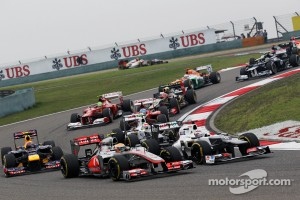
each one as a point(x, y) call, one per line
point(17, 102)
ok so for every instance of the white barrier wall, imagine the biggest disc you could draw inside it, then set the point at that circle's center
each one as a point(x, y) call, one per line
point(187, 40)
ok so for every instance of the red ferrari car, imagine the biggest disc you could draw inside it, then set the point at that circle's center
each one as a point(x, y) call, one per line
point(102, 113)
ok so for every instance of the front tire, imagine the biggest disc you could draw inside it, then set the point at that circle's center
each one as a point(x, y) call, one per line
point(4, 151)
point(199, 150)
point(116, 165)
point(107, 113)
point(132, 140)
point(57, 153)
point(170, 154)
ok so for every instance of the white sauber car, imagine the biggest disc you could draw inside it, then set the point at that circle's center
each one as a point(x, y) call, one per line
point(205, 148)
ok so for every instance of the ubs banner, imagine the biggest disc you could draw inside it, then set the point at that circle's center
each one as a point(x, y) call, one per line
point(109, 54)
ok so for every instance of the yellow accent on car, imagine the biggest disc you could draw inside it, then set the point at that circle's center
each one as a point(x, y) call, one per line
point(34, 157)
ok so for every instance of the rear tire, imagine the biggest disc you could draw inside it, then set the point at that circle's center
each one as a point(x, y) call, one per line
point(251, 61)
point(127, 106)
point(174, 104)
point(119, 135)
point(294, 60)
point(152, 146)
point(271, 66)
point(164, 110)
point(162, 118)
point(69, 166)
point(191, 96)
point(188, 84)
point(57, 153)
point(199, 150)
point(124, 125)
point(215, 77)
point(132, 140)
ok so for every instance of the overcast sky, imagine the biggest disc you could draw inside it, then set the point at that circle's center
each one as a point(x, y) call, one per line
point(35, 28)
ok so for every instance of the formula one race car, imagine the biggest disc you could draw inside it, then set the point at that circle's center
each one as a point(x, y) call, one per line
point(176, 96)
point(200, 77)
point(102, 113)
point(118, 161)
point(278, 59)
point(205, 148)
point(31, 156)
point(137, 62)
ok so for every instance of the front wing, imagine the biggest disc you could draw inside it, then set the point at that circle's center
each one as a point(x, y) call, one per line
point(252, 152)
point(171, 167)
point(52, 165)
point(96, 122)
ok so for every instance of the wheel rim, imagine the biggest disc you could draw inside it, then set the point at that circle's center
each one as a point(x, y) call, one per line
point(114, 170)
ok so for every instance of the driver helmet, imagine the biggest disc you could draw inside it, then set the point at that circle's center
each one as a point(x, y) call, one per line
point(120, 147)
point(145, 125)
point(28, 141)
point(101, 98)
point(143, 111)
point(166, 89)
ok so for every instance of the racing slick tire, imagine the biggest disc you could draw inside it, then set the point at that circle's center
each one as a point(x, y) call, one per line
point(124, 125)
point(191, 96)
point(132, 140)
point(243, 71)
point(127, 106)
point(170, 154)
point(49, 142)
point(188, 84)
point(108, 113)
point(119, 135)
point(251, 61)
point(152, 146)
point(173, 135)
point(162, 118)
point(174, 104)
point(164, 110)
point(294, 50)
point(271, 66)
point(294, 60)
point(252, 141)
point(9, 161)
point(4, 151)
point(69, 166)
point(199, 150)
point(116, 165)
point(74, 118)
point(57, 153)
point(215, 77)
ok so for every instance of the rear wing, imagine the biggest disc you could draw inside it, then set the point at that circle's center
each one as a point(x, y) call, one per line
point(112, 95)
point(132, 117)
point(23, 134)
point(204, 67)
point(143, 101)
point(87, 140)
point(165, 126)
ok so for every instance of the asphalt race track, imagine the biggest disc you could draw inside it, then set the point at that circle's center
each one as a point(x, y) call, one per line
point(192, 184)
